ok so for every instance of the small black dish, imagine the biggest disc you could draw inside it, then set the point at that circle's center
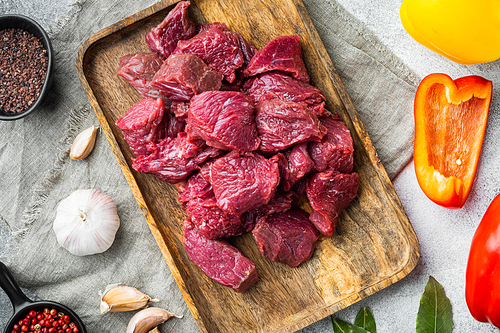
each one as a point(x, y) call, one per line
point(13, 21)
point(22, 304)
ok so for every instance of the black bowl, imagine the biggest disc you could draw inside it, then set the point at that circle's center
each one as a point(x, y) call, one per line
point(22, 304)
point(13, 21)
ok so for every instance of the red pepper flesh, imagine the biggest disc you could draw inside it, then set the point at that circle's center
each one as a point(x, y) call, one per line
point(450, 120)
point(482, 278)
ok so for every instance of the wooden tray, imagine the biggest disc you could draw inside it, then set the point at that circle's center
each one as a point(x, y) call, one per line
point(374, 245)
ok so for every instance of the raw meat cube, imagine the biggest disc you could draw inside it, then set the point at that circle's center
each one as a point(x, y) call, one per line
point(335, 149)
point(196, 187)
point(223, 119)
point(139, 70)
point(286, 88)
point(167, 161)
point(247, 48)
point(183, 75)
point(175, 27)
point(242, 182)
point(299, 163)
point(281, 54)
point(140, 125)
point(329, 192)
point(294, 164)
point(173, 159)
point(220, 260)
point(219, 51)
point(282, 124)
point(211, 221)
point(280, 203)
point(199, 201)
point(288, 237)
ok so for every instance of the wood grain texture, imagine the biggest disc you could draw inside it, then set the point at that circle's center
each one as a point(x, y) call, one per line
point(374, 245)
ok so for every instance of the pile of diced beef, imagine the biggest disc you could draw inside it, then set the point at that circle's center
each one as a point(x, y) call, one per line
point(242, 135)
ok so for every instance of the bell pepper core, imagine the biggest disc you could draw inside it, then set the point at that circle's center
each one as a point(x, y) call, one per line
point(482, 278)
point(450, 120)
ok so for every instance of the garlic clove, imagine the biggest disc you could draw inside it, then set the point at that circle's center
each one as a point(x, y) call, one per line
point(155, 330)
point(86, 222)
point(144, 320)
point(83, 144)
point(123, 298)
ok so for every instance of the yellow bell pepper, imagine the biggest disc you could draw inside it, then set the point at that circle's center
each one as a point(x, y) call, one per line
point(465, 31)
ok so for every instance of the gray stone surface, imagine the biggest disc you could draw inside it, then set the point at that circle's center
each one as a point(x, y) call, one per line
point(444, 235)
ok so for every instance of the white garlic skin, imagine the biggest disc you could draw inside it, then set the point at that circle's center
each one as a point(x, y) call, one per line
point(83, 144)
point(86, 222)
point(118, 298)
point(147, 319)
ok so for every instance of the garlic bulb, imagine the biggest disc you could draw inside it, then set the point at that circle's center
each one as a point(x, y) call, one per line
point(122, 298)
point(86, 222)
point(145, 320)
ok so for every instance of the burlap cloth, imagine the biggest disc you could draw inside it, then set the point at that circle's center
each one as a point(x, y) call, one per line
point(36, 171)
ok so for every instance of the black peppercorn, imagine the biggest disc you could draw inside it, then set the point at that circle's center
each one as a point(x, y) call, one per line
point(23, 68)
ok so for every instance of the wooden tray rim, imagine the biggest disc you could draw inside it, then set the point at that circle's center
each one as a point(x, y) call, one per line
point(345, 99)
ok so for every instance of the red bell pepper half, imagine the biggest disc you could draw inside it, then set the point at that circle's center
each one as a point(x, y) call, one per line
point(482, 278)
point(450, 120)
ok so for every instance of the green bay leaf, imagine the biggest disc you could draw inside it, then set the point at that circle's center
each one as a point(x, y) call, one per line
point(365, 319)
point(434, 313)
point(340, 326)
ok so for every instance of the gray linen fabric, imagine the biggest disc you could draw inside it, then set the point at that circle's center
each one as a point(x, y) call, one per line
point(380, 86)
point(36, 171)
